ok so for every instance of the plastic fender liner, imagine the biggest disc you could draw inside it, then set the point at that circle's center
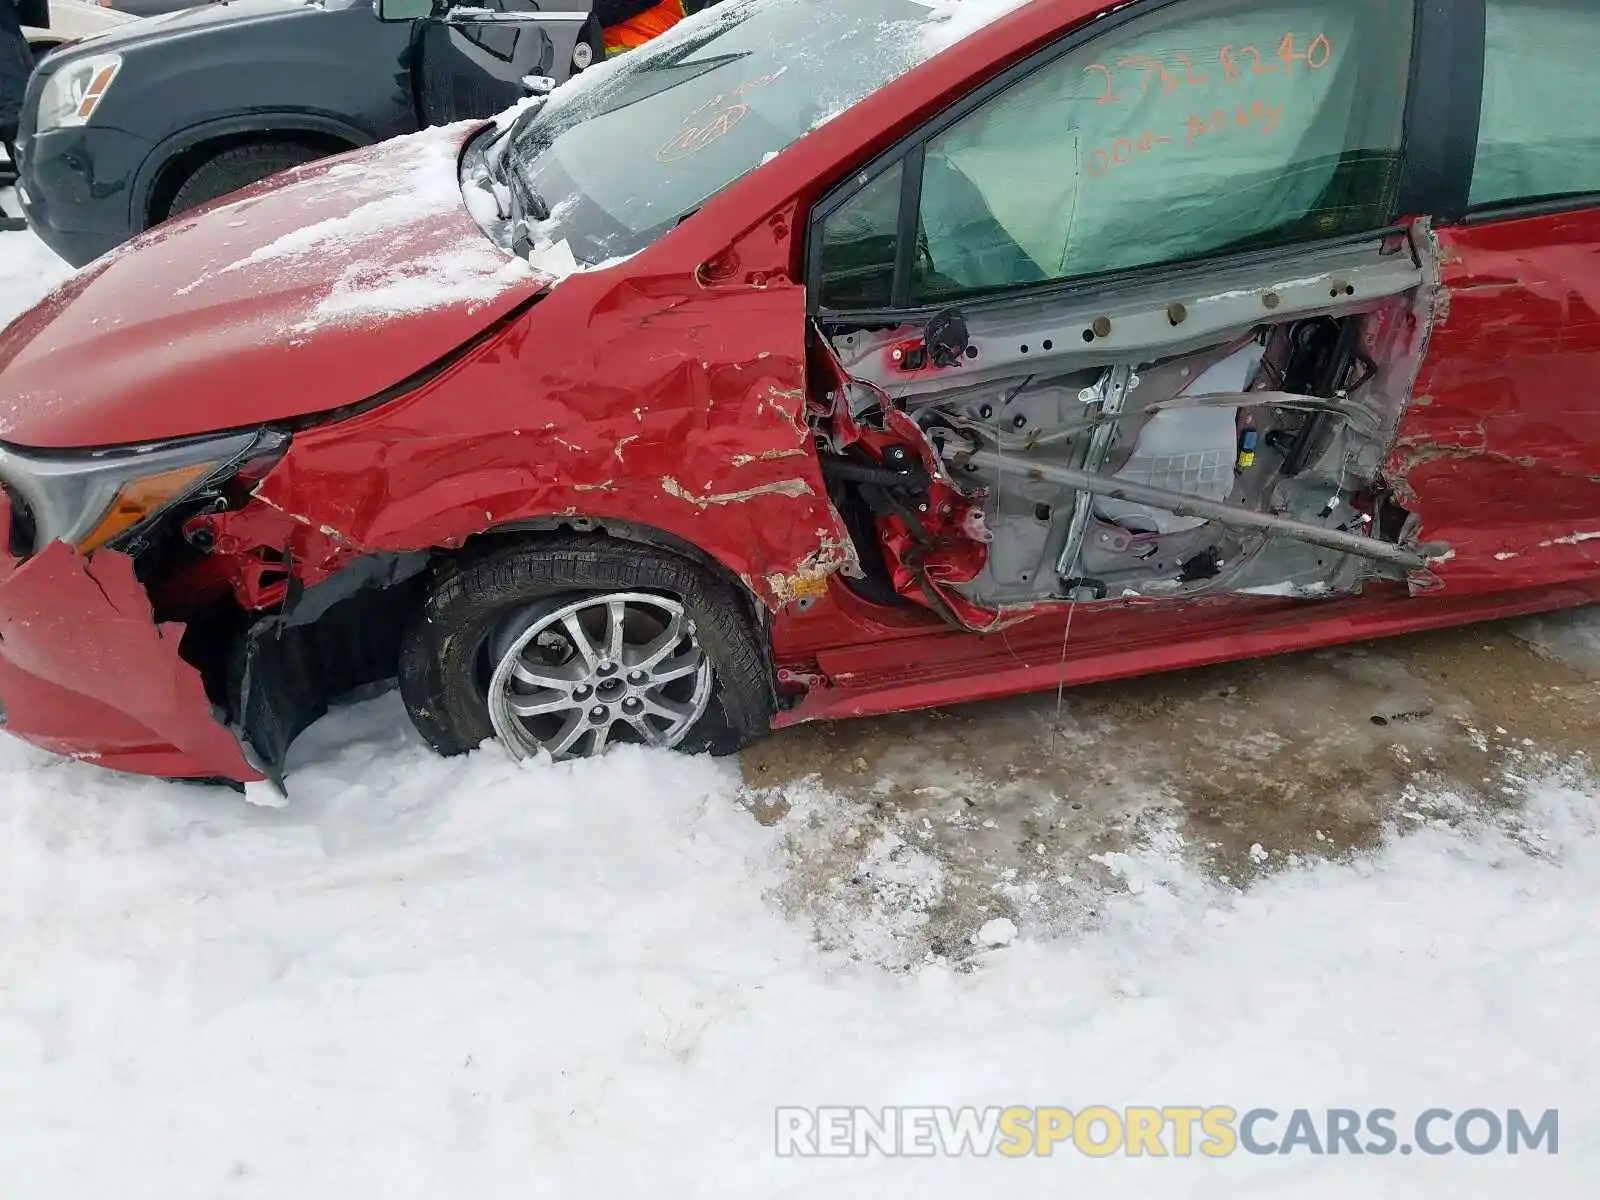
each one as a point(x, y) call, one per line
point(329, 641)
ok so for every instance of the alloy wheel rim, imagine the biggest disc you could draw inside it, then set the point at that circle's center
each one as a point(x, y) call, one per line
point(572, 679)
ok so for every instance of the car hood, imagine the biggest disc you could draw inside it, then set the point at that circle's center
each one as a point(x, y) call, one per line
point(317, 289)
point(136, 31)
point(77, 20)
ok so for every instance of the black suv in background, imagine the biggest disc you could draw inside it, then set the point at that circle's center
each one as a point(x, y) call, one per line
point(138, 124)
point(151, 8)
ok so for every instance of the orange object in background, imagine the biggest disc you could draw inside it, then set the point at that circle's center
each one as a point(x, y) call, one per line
point(647, 26)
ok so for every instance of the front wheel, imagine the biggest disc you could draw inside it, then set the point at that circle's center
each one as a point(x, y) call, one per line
point(567, 648)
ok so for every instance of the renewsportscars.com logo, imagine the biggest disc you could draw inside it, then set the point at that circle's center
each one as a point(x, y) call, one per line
point(1100, 1131)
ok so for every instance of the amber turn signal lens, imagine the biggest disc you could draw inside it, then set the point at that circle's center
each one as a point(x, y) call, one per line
point(97, 88)
point(141, 497)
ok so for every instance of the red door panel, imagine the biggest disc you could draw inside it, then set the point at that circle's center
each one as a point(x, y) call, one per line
point(1499, 453)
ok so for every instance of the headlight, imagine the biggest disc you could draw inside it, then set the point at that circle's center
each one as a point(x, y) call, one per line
point(101, 498)
point(76, 90)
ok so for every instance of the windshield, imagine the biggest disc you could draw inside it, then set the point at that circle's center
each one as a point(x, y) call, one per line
point(621, 157)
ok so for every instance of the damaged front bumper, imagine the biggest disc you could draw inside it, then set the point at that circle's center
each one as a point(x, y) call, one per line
point(85, 670)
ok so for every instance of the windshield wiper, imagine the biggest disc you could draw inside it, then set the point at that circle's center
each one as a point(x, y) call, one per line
point(525, 206)
point(528, 208)
point(500, 154)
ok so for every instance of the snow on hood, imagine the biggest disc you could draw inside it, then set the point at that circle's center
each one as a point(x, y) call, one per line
point(315, 289)
point(417, 174)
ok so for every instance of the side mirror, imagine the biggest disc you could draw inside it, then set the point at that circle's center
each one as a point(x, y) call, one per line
point(402, 10)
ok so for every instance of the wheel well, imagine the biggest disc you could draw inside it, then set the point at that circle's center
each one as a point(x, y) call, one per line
point(275, 674)
point(377, 593)
point(622, 531)
point(177, 169)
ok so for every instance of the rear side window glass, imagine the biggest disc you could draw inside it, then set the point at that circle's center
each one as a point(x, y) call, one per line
point(1538, 138)
point(1211, 127)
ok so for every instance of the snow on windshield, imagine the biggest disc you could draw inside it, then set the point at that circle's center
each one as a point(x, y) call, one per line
point(657, 132)
point(951, 20)
point(947, 22)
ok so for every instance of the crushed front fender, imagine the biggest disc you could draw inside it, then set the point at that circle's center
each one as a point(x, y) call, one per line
point(85, 670)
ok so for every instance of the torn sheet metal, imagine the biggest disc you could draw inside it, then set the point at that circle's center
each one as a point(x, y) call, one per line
point(86, 671)
point(700, 396)
point(1499, 454)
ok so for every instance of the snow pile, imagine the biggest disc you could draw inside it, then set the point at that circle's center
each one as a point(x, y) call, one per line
point(28, 269)
point(1569, 637)
point(429, 978)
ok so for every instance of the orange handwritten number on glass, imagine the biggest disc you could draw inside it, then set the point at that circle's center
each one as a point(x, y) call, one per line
point(1158, 69)
point(714, 102)
point(1110, 96)
point(1099, 164)
point(1319, 52)
point(1258, 69)
point(1189, 77)
point(760, 81)
point(1122, 151)
point(1149, 66)
point(1230, 68)
point(692, 138)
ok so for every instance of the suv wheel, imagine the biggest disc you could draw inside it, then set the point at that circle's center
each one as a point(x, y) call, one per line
point(238, 168)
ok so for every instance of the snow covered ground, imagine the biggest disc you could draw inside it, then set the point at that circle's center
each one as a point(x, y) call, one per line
point(27, 267)
point(438, 979)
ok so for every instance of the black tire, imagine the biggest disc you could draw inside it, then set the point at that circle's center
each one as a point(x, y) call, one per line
point(442, 648)
point(237, 168)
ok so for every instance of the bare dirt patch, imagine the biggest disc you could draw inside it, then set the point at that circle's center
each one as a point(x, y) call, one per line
point(905, 835)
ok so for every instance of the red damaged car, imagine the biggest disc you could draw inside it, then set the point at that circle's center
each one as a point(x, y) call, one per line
point(811, 363)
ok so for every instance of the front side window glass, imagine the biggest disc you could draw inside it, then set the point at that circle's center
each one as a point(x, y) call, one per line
point(1209, 127)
